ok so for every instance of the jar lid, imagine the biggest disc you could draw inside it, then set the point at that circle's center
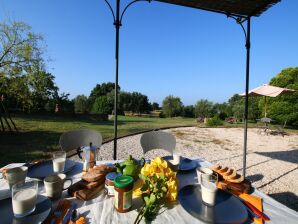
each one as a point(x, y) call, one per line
point(123, 181)
point(112, 176)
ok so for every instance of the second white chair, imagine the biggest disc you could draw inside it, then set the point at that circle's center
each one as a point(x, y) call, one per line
point(158, 140)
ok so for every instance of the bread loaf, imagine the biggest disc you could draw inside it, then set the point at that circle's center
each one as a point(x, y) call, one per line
point(92, 176)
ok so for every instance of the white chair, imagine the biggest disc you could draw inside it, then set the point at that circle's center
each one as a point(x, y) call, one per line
point(158, 140)
point(73, 140)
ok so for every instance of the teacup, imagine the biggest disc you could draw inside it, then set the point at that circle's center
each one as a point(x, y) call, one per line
point(16, 175)
point(203, 170)
point(54, 185)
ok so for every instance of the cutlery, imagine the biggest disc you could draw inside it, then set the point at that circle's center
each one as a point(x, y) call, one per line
point(57, 213)
point(254, 215)
point(254, 209)
point(68, 215)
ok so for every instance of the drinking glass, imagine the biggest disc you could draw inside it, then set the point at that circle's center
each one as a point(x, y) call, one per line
point(203, 170)
point(24, 197)
point(59, 161)
point(208, 188)
point(16, 175)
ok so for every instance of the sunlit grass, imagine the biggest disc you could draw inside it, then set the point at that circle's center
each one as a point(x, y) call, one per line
point(39, 135)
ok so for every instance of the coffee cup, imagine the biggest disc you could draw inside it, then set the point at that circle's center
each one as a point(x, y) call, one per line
point(54, 185)
point(177, 158)
point(16, 175)
point(203, 170)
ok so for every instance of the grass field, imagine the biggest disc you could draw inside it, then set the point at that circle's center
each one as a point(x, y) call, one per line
point(39, 135)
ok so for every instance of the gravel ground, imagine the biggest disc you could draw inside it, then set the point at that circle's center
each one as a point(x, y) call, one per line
point(272, 161)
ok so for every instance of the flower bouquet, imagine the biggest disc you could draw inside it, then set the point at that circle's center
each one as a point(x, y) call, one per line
point(159, 187)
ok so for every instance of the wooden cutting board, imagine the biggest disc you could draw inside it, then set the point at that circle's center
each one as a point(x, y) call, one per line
point(83, 192)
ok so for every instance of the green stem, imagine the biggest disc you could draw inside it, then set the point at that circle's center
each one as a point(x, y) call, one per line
point(141, 211)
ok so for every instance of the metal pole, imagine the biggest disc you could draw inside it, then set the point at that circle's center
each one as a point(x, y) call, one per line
point(265, 106)
point(247, 45)
point(117, 26)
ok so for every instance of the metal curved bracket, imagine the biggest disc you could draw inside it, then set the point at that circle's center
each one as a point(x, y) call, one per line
point(239, 20)
point(119, 22)
point(111, 9)
point(126, 7)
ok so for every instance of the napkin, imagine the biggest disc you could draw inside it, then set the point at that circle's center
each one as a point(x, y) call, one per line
point(62, 208)
point(252, 199)
point(255, 201)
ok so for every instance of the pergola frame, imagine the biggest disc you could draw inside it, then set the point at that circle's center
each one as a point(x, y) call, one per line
point(239, 16)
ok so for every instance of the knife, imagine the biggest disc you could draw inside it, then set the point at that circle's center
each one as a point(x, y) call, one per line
point(254, 209)
point(69, 213)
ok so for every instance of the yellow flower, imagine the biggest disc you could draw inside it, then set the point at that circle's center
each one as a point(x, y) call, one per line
point(172, 190)
point(159, 167)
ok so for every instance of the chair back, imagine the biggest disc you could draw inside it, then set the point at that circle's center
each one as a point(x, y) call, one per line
point(80, 137)
point(158, 140)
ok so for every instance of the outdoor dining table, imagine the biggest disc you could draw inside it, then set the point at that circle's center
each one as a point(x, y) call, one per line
point(101, 209)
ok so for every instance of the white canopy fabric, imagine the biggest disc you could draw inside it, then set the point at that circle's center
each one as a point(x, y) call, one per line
point(268, 90)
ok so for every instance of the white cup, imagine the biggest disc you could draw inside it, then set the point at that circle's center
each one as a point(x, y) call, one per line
point(176, 158)
point(16, 175)
point(209, 189)
point(24, 197)
point(59, 161)
point(203, 170)
point(54, 185)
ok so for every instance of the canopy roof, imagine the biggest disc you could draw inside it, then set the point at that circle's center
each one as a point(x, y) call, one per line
point(267, 90)
point(241, 8)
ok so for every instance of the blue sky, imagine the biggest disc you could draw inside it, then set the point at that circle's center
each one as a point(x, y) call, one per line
point(164, 49)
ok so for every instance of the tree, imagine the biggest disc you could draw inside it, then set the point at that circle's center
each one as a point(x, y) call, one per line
point(81, 104)
point(29, 92)
point(23, 79)
point(135, 102)
point(139, 103)
point(42, 88)
point(155, 106)
point(284, 108)
point(204, 108)
point(172, 106)
point(188, 111)
point(125, 101)
point(101, 90)
point(20, 48)
point(65, 105)
point(221, 109)
point(102, 105)
point(236, 105)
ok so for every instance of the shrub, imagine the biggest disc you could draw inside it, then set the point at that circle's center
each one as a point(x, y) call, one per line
point(214, 121)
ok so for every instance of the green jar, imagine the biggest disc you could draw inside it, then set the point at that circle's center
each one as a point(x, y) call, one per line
point(123, 186)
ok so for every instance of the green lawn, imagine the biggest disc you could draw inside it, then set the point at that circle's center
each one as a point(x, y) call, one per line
point(39, 135)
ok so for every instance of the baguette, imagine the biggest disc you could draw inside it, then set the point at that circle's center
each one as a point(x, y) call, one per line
point(93, 177)
point(89, 185)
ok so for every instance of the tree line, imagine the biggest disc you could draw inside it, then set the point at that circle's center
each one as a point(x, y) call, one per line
point(27, 86)
point(280, 109)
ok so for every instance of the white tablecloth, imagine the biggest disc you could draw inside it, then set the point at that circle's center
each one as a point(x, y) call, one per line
point(101, 209)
